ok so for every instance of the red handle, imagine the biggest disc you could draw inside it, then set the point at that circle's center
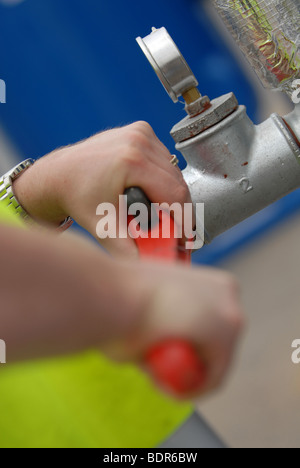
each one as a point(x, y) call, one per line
point(174, 364)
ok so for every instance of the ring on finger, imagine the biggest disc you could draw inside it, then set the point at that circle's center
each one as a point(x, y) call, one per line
point(174, 160)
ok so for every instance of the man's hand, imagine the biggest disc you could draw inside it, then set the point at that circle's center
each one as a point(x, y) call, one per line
point(130, 307)
point(74, 180)
point(72, 297)
point(199, 305)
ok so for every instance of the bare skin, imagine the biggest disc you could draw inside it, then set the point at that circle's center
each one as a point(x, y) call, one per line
point(71, 296)
point(74, 180)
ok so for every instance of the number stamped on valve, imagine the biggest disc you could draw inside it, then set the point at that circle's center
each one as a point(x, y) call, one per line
point(246, 185)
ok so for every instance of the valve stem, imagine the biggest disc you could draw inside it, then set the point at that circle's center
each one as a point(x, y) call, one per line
point(191, 95)
point(195, 103)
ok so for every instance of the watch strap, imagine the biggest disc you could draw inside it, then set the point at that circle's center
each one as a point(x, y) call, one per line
point(8, 197)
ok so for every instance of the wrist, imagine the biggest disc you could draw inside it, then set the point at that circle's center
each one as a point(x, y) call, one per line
point(131, 298)
point(38, 191)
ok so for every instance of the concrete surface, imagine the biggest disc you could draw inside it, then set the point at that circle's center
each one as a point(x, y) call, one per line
point(259, 407)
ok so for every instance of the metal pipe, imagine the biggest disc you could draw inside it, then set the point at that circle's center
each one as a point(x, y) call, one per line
point(293, 122)
point(237, 168)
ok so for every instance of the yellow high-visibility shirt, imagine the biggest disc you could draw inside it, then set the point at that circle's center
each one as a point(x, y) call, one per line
point(81, 401)
point(8, 216)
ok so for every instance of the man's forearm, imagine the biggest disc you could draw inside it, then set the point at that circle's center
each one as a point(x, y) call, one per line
point(58, 296)
point(74, 180)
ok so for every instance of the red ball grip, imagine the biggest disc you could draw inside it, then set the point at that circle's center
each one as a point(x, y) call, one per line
point(176, 366)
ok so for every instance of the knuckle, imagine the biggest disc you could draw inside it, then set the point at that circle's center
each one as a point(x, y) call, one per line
point(232, 305)
point(137, 139)
point(137, 136)
point(237, 322)
point(240, 321)
point(143, 127)
point(131, 157)
point(236, 318)
point(182, 192)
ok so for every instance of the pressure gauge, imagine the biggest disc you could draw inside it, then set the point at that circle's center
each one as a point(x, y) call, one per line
point(169, 65)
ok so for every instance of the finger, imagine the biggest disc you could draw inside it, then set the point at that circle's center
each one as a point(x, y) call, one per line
point(141, 138)
point(121, 248)
point(111, 236)
point(167, 190)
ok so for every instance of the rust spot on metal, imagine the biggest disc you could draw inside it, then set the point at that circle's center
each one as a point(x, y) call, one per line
point(292, 132)
point(225, 176)
point(245, 164)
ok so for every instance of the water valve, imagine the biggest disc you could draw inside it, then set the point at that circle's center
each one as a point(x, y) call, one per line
point(234, 167)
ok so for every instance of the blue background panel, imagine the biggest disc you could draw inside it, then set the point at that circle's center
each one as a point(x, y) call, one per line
point(73, 68)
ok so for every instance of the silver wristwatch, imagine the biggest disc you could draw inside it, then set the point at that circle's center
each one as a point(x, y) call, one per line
point(8, 197)
point(6, 188)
